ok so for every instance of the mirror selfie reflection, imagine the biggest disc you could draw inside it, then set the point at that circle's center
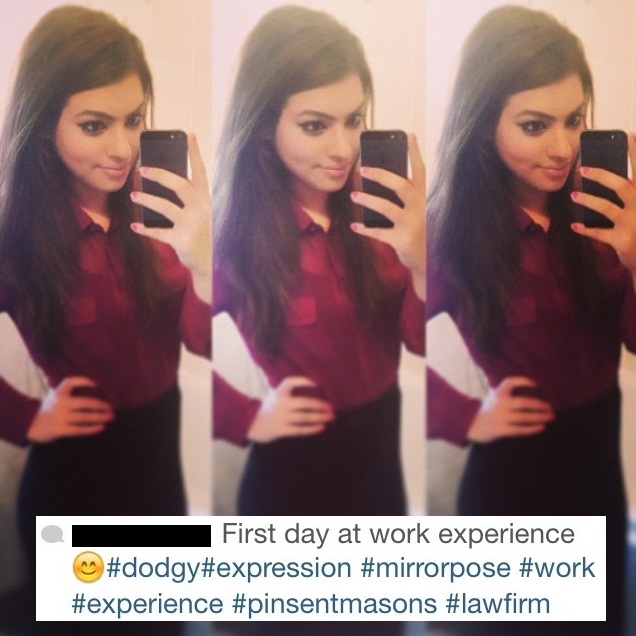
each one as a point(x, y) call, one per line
point(322, 302)
point(543, 304)
point(102, 310)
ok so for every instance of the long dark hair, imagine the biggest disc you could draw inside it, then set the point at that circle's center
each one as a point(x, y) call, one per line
point(292, 49)
point(71, 49)
point(473, 230)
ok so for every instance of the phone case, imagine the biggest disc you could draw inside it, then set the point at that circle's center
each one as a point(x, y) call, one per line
point(167, 149)
point(382, 149)
point(605, 149)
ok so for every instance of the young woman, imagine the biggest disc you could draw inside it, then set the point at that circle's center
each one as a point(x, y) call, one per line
point(102, 311)
point(322, 307)
point(542, 309)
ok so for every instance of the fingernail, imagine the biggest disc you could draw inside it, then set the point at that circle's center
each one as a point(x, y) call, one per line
point(364, 171)
point(144, 171)
point(574, 195)
point(356, 227)
point(354, 195)
point(585, 170)
point(135, 226)
point(134, 195)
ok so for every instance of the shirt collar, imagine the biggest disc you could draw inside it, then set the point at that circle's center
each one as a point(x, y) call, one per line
point(306, 225)
point(525, 223)
point(84, 221)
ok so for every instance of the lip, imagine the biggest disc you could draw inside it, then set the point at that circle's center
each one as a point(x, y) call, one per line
point(557, 172)
point(116, 172)
point(337, 172)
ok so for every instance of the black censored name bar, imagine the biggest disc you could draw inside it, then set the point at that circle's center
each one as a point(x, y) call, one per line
point(155, 536)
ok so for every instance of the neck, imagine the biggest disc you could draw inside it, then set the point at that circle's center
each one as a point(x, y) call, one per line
point(95, 204)
point(316, 205)
point(535, 205)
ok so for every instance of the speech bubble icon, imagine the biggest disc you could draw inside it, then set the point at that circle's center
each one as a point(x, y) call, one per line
point(53, 534)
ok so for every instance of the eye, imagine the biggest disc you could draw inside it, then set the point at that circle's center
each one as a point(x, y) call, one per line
point(534, 127)
point(355, 121)
point(83, 564)
point(93, 127)
point(93, 563)
point(575, 121)
point(314, 127)
point(134, 121)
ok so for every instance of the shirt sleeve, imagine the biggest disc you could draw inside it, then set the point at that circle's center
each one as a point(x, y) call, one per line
point(628, 315)
point(18, 412)
point(449, 411)
point(233, 412)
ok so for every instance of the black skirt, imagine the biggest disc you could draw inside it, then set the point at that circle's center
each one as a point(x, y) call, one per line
point(132, 468)
point(573, 468)
point(352, 468)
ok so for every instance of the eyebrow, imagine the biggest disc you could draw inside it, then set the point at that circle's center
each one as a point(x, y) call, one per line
point(100, 115)
point(321, 115)
point(540, 115)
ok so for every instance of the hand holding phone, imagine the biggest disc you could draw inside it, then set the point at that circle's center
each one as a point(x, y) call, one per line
point(386, 149)
point(167, 149)
point(606, 149)
point(619, 230)
point(405, 230)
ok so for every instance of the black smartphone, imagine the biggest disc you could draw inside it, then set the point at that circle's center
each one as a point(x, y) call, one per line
point(382, 149)
point(167, 149)
point(605, 149)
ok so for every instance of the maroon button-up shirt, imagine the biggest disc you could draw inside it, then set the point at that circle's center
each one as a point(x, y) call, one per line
point(105, 338)
point(324, 338)
point(572, 359)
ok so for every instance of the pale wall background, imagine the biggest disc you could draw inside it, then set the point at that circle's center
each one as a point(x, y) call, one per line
point(392, 35)
point(176, 38)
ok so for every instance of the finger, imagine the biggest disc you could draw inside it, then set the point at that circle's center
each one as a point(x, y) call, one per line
point(383, 206)
point(523, 403)
point(606, 178)
point(81, 431)
point(306, 418)
point(418, 169)
point(162, 234)
point(306, 403)
point(514, 381)
point(598, 204)
point(631, 144)
point(604, 235)
point(88, 417)
point(377, 233)
point(384, 177)
point(90, 404)
point(66, 386)
point(170, 210)
point(293, 381)
point(529, 418)
point(199, 174)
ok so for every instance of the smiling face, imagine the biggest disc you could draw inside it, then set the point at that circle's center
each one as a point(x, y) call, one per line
point(537, 138)
point(97, 137)
point(88, 567)
point(318, 137)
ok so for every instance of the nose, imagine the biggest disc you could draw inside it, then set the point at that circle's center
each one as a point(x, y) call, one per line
point(122, 144)
point(563, 144)
point(343, 143)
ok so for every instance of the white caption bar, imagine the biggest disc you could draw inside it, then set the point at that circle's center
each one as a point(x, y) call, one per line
point(329, 568)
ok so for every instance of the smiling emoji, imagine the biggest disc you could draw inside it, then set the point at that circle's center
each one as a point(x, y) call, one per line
point(88, 567)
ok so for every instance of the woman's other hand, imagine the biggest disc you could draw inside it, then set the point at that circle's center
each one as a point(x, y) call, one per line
point(504, 414)
point(622, 237)
point(191, 236)
point(63, 414)
point(408, 234)
point(283, 414)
